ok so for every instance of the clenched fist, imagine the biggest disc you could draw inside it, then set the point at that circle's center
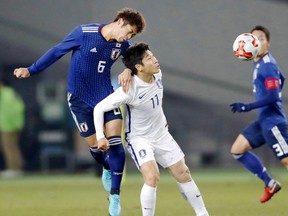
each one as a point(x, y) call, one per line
point(21, 73)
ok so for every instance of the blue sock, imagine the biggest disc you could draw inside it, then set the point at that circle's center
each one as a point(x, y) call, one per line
point(116, 162)
point(100, 157)
point(254, 165)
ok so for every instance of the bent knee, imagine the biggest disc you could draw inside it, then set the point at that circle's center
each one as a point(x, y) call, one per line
point(152, 179)
point(240, 146)
point(184, 175)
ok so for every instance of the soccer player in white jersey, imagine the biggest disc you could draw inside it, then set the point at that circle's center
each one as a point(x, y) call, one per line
point(95, 47)
point(146, 131)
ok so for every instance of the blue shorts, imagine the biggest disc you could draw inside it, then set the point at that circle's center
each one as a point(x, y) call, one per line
point(276, 138)
point(83, 115)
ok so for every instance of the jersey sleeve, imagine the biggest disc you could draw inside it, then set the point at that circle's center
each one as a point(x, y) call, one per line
point(71, 42)
point(111, 102)
point(270, 76)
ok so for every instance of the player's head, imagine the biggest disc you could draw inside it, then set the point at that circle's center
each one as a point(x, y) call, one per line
point(263, 34)
point(130, 22)
point(132, 17)
point(139, 58)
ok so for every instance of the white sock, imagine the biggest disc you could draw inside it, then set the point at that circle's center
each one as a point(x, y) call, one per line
point(191, 193)
point(148, 200)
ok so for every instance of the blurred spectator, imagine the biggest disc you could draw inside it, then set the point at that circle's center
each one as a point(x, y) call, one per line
point(12, 117)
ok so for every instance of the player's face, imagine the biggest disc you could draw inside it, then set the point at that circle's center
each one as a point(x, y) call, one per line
point(150, 63)
point(125, 32)
point(263, 41)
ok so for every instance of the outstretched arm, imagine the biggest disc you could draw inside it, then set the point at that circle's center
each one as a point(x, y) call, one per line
point(271, 97)
point(72, 41)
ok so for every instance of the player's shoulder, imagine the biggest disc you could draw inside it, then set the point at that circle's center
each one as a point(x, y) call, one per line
point(125, 45)
point(268, 59)
point(90, 27)
point(268, 63)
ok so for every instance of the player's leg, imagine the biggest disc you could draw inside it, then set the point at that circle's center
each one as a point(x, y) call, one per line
point(116, 154)
point(142, 153)
point(170, 156)
point(240, 151)
point(83, 118)
point(251, 138)
point(188, 187)
point(103, 159)
point(277, 139)
point(151, 176)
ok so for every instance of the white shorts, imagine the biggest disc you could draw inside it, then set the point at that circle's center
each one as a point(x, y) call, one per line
point(164, 150)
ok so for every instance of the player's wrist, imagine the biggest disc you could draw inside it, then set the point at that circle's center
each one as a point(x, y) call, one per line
point(100, 136)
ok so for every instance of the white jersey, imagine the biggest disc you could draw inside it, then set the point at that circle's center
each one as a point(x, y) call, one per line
point(144, 113)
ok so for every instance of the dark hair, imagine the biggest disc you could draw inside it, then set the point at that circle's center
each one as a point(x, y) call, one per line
point(134, 55)
point(132, 17)
point(263, 29)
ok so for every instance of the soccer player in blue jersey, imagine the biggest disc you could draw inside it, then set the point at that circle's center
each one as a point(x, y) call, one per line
point(271, 125)
point(95, 47)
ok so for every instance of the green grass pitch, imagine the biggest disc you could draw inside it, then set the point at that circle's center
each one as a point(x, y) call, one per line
point(225, 192)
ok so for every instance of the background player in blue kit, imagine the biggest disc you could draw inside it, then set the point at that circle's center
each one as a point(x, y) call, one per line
point(95, 47)
point(271, 125)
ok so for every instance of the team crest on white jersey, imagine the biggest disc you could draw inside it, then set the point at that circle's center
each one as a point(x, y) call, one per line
point(83, 126)
point(142, 153)
point(115, 53)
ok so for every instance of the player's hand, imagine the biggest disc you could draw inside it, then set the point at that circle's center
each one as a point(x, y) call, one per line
point(124, 79)
point(21, 73)
point(103, 144)
point(240, 107)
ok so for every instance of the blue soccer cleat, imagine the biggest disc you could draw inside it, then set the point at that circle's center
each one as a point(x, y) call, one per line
point(114, 205)
point(106, 179)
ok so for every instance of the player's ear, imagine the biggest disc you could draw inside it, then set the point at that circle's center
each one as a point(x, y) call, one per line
point(120, 22)
point(268, 43)
point(138, 67)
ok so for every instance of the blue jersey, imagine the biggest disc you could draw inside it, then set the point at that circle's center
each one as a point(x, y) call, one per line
point(91, 61)
point(267, 76)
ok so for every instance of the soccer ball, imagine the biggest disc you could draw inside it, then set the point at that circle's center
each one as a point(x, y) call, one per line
point(246, 46)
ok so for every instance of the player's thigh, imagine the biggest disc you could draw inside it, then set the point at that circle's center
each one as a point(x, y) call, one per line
point(277, 139)
point(167, 151)
point(150, 173)
point(240, 145)
point(113, 123)
point(83, 118)
point(91, 140)
point(140, 150)
point(250, 138)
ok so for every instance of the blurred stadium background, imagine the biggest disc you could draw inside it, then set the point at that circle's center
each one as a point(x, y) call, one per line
point(192, 40)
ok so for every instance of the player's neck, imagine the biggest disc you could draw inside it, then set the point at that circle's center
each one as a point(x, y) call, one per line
point(107, 32)
point(260, 56)
point(146, 78)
